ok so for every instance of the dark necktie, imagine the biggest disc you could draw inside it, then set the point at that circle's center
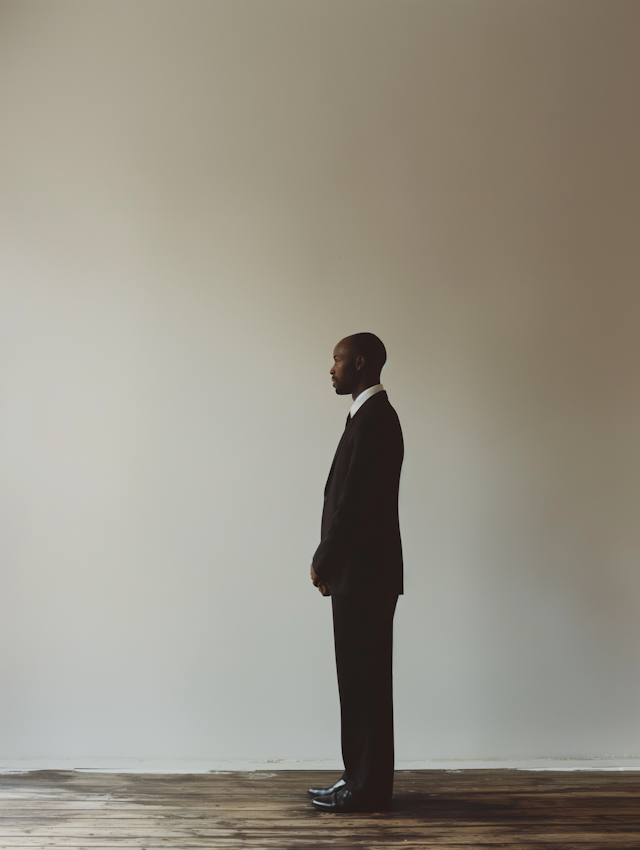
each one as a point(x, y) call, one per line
point(348, 420)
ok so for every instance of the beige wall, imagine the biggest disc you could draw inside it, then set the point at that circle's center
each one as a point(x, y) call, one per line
point(198, 200)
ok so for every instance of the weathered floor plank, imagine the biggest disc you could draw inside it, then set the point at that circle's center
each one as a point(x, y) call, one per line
point(485, 808)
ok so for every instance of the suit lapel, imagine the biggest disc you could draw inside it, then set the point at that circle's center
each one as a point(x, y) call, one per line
point(375, 399)
point(335, 457)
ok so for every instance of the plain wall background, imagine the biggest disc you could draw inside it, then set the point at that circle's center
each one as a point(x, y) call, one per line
point(198, 200)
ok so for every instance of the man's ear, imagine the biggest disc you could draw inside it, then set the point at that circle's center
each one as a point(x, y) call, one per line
point(360, 362)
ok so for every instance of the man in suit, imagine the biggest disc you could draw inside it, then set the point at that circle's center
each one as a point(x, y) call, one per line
point(359, 564)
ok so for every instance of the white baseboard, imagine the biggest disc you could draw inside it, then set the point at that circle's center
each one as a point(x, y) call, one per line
point(128, 765)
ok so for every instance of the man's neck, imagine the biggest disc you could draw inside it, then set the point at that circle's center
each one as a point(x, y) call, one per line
point(364, 385)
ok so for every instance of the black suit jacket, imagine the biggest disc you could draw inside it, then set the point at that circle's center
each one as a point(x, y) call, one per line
point(360, 552)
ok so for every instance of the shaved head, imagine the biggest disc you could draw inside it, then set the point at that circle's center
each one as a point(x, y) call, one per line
point(371, 348)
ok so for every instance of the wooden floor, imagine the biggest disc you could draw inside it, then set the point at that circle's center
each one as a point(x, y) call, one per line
point(450, 809)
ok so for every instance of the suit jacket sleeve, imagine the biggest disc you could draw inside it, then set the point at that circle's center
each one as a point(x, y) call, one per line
point(356, 503)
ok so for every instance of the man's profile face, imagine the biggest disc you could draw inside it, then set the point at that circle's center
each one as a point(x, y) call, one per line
point(344, 374)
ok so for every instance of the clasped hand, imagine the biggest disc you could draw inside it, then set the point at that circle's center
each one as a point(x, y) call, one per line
point(317, 582)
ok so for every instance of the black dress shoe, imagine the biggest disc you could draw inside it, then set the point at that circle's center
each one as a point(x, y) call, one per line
point(344, 801)
point(324, 792)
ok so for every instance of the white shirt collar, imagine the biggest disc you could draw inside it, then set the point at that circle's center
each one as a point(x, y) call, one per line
point(360, 400)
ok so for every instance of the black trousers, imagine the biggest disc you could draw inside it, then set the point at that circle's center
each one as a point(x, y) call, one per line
point(363, 635)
